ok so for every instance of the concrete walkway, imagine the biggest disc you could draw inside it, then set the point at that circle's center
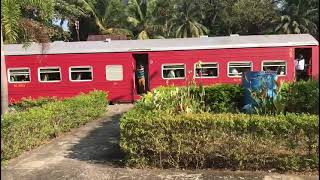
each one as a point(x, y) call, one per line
point(92, 152)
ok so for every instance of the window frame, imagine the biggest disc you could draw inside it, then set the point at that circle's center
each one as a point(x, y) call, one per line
point(184, 65)
point(228, 67)
point(114, 65)
point(49, 67)
point(15, 68)
point(206, 77)
point(70, 79)
point(286, 65)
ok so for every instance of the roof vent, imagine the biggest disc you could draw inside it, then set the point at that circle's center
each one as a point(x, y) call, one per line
point(234, 34)
point(107, 40)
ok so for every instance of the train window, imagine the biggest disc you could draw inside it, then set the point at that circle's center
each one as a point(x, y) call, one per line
point(173, 71)
point(19, 75)
point(51, 74)
point(235, 69)
point(81, 73)
point(279, 66)
point(114, 72)
point(206, 70)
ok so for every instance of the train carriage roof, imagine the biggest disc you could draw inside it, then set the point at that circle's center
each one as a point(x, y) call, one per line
point(222, 42)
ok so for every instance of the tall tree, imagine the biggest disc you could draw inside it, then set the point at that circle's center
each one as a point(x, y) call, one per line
point(67, 11)
point(22, 21)
point(19, 18)
point(100, 17)
point(164, 12)
point(253, 16)
point(141, 17)
point(4, 82)
point(111, 18)
point(298, 16)
point(244, 16)
point(210, 9)
point(186, 20)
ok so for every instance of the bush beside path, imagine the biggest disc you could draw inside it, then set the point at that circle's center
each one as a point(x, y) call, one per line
point(24, 130)
point(92, 152)
point(203, 127)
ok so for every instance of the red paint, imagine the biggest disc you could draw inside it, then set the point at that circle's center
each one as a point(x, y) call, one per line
point(123, 90)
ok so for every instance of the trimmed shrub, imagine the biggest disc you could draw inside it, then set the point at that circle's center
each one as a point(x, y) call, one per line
point(237, 141)
point(303, 97)
point(27, 103)
point(22, 131)
point(224, 97)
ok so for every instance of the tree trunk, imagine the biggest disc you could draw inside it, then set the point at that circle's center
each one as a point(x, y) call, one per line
point(4, 82)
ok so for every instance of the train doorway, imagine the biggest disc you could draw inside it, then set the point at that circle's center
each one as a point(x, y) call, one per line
point(142, 60)
point(302, 61)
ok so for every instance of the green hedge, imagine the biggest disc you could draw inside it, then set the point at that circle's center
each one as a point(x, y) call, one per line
point(203, 140)
point(216, 98)
point(303, 97)
point(297, 97)
point(27, 103)
point(22, 131)
point(224, 97)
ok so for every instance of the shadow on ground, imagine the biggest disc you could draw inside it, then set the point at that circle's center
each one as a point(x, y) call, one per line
point(101, 145)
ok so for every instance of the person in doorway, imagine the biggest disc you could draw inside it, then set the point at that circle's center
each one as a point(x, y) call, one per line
point(299, 66)
point(141, 79)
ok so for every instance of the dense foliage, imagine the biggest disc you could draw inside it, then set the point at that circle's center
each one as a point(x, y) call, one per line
point(27, 103)
point(143, 19)
point(303, 97)
point(26, 20)
point(217, 98)
point(237, 141)
point(296, 97)
point(192, 127)
point(24, 130)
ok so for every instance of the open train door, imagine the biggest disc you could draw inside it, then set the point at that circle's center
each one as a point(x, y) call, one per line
point(141, 59)
point(303, 63)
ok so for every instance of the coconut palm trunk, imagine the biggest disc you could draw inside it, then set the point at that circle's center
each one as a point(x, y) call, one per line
point(4, 83)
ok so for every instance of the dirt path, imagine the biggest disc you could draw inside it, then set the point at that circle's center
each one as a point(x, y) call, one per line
point(92, 152)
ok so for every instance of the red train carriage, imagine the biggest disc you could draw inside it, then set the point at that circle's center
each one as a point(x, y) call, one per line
point(65, 69)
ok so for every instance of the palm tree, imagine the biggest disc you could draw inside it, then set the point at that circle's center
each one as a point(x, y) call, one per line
point(107, 14)
point(22, 21)
point(141, 15)
point(70, 10)
point(297, 17)
point(186, 20)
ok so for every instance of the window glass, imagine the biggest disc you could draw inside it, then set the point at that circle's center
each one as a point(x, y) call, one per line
point(81, 73)
point(206, 70)
point(19, 75)
point(49, 74)
point(176, 71)
point(236, 69)
point(114, 72)
point(279, 67)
